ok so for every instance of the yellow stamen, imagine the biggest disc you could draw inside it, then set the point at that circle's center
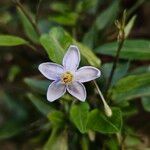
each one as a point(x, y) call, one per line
point(67, 77)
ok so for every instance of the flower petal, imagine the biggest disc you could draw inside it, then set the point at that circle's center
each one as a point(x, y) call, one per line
point(77, 90)
point(51, 71)
point(55, 91)
point(87, 73)
point(71, 59)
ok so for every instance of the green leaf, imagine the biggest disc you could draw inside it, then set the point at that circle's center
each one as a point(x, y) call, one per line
point(39, 86)
point(120, 71)
point(11, 40)
point(59, 7)
point(57, 141)
point(57, 42)
point(13, 72)
point(129, 26)
point(28, 28)
point(10, 129)
point(99, 122)
point(132, 49)
point(146, 103)
point(131, 87)
point(79, 116)
point(40, 104)
point(108, 16)
point(18, 116)
point(57, 118)
point(88, 55)
point(69, 18)
point(89, 37)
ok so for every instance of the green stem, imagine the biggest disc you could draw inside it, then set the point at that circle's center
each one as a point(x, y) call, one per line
point(18, 4)
point(106, 106)
point(120, 45)
point(37, 11)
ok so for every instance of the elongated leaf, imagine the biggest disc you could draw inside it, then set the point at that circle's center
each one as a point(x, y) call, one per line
point(39, 86)
point(129, 26)
point(40, 104)
point(57, 141)
point(79, 116)
point(120, 71)
point(60, 7)
point(132, 49)
point(10, 129)
point(57, 42)
point(97, 121)
point(57, 118)
point(146, 103)
point(108, 16)
point(28, 28)
point(69, 18)
point(11, 40)
point(53, 46)
point(131, 87)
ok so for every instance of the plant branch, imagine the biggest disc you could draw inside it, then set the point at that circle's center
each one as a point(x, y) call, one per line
point(37, 11)
point(18, 4)
point(120, 45)
point(107, 109)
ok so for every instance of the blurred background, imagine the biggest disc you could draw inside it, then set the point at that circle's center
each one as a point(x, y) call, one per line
point(91, 22)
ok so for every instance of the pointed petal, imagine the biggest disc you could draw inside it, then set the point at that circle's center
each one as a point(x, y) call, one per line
point(87, 73)
point(71, 59)
point(77, 90)
point(51, 71)
point(55, 91)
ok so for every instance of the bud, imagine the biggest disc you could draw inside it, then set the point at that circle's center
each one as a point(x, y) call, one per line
point(107, 110)
point(91, 135)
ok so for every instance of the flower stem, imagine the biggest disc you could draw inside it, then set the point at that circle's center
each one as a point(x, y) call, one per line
point(107, 109)
point(18, 4)
point(114, 65)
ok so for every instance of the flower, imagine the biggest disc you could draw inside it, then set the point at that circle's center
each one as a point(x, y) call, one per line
point(67, 77)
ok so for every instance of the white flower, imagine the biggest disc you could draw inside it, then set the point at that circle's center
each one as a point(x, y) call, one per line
point(67, 76)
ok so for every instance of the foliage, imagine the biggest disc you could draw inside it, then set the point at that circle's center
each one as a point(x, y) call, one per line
point(33, 33)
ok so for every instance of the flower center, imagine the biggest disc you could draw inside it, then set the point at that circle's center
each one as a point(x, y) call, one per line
point(67, 77)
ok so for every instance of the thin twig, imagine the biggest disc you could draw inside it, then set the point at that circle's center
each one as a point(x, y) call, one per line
point(120, 45)
point(107, 109)
point(37, 11)
point(17, 3)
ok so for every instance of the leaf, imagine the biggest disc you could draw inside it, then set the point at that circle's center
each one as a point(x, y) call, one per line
point(79, 116)
point(87, 5)
point(131, 87)
point(13, 72)
point(11, 40)
point(57, 118)
point(60, 7)
point(129, 26)
point(10, 129)
point(132, 49)
point(108, 16)
point(120, 71)
point(68, 19)
point(89, 37)
point(40, 104)
point(57, 141)
point(97, 121)
point(88, 55)
point(28, 28)
point(146, 103)
point(18, 116)
point(57, 42)
point(39, 86)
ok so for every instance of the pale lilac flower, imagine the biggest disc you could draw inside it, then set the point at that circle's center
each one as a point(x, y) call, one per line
point(67, 76)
